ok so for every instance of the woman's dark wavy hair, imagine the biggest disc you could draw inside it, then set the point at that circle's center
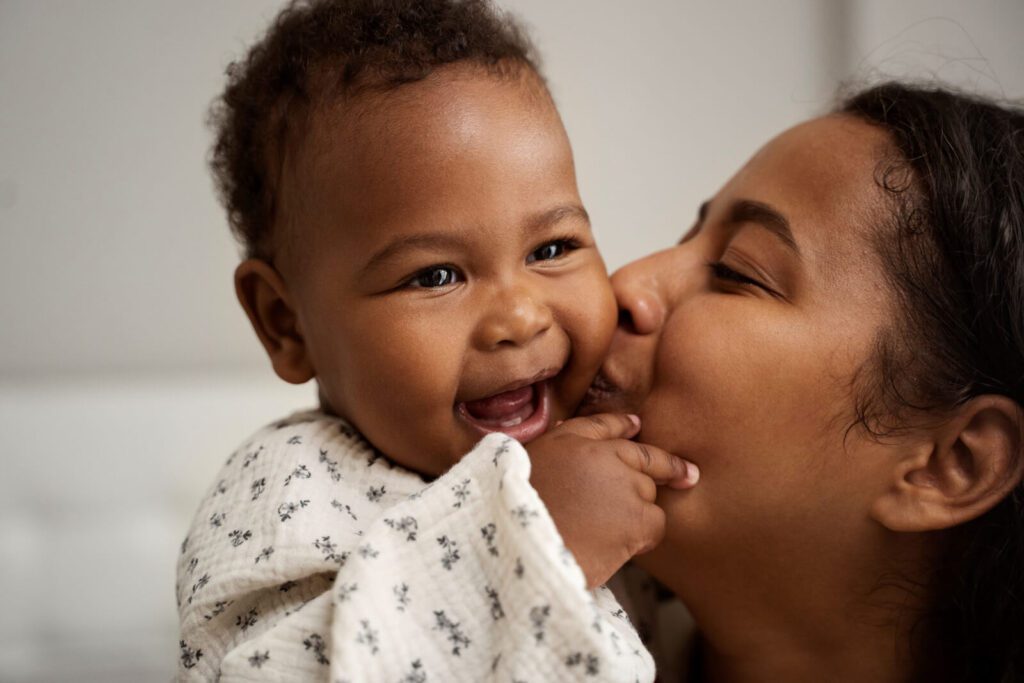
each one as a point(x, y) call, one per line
point(321, 50)
point(955, 254)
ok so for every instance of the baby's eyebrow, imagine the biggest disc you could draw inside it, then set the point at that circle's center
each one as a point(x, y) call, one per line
point(550, 217)
point(427, 240)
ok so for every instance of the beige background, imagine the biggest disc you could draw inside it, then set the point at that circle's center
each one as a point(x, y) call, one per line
point(127, 371)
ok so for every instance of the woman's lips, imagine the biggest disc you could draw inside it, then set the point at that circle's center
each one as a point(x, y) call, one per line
point(521, 413)
point(603, 396)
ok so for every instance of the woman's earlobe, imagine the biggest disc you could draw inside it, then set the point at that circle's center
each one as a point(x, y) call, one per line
point(970, 463)
point(264, 296)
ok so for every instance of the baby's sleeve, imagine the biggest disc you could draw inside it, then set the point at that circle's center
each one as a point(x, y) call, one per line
point(469, 580)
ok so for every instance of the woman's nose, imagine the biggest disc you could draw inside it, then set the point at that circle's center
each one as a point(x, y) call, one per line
point(516, 317)
point(641, 309)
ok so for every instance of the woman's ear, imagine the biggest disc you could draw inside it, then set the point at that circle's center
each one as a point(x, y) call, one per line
point(961, 470)
point(263, 295)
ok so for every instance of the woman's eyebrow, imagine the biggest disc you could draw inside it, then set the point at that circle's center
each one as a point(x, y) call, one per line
point(763, 215)
point(702, 213)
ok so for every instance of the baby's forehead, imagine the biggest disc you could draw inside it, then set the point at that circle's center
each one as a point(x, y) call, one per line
point(402, 151)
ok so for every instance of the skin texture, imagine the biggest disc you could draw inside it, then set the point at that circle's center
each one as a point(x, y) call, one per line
point(491, 276)
point(780, 550)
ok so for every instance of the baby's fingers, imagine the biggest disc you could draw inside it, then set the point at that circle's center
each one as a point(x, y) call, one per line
point(603, 426)
point(659, 465)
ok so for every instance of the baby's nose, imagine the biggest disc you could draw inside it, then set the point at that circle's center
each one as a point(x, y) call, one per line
point(516, 318)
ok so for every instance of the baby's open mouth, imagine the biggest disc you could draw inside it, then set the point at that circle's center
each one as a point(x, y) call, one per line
point(522, 413)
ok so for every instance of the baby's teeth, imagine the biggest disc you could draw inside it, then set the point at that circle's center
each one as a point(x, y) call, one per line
point(512, 423)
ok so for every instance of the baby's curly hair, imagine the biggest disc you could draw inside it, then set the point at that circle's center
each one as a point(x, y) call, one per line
point(318, 50)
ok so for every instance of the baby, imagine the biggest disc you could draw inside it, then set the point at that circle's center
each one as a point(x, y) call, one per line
point(405, 193)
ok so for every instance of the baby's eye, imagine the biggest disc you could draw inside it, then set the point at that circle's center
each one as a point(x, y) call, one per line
point(435, 277)
point(551, 250)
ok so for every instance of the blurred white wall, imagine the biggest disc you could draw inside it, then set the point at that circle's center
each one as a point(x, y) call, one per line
point(127, 371)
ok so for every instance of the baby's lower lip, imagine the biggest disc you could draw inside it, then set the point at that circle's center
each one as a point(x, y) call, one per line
point(522, 413)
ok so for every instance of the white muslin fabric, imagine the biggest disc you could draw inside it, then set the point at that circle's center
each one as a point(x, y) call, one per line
point(314, 558)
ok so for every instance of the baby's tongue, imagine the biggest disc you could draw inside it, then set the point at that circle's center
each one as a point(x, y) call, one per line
point(500, 405)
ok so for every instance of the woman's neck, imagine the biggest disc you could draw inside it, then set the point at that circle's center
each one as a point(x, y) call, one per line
point(833, 619)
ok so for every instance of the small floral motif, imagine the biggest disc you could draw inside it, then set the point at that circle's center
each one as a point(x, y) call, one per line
point(220, 489)
point(368, 636)
point(264, 554)
point(295, 440)
point(184, 545)
point(192, 564)
point(198, 586)
point(461, 491)
point(590, 662)
point(501, 450)
point(519, 569)
point(329, 549)
point(331, 465)
point(218, 609)
point(258, 659)
point(287, 510)
point(189, 657)
point(496, 611)
point(244, 621)
point(250, 458)
point(454, 634)
point(401, 592)
point(300, 472)
point(217, 519)
point(258, 487)
point(416, 673)
point(489, 532)
point(539, 618)
point(238, 537)
point(315, 642)
point(346, 590)
point(523, 515)
point(375, 493)
point(451, 552)
point(344, 507)
point(367, 551)
point(406, 525)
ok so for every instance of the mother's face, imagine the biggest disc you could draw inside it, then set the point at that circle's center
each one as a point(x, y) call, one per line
point(744, 341)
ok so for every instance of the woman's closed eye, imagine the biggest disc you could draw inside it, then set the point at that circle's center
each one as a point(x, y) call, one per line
point(720, 271)
point(552, 250)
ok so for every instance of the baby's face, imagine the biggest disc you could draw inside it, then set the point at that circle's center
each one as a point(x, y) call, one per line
point(442, 267)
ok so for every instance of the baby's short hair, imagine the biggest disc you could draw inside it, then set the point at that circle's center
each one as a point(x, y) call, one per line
point(321, 49)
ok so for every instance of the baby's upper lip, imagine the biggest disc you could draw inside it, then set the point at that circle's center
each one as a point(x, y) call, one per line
point(523, 381)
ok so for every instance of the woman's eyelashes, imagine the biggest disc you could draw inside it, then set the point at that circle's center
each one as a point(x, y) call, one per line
point(722, 272)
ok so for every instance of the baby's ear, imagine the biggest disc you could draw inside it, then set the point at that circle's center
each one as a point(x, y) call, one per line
point(958, 471)
point(263, 295)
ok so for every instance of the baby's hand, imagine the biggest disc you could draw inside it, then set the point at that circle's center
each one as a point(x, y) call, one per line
point(600, 488)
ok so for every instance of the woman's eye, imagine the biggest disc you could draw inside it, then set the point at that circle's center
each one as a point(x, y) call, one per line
point(723, 272)
point(435, 277)
point(551, 250)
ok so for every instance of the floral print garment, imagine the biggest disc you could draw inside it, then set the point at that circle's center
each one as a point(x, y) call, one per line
point(313, 558)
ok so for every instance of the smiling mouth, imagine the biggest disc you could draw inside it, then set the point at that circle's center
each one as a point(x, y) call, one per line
point(523, 413)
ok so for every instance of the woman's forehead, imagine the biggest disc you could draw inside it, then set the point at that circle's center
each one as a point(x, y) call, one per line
point(821, 176)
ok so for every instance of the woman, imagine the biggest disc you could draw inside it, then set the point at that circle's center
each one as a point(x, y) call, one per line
point(838, 344)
